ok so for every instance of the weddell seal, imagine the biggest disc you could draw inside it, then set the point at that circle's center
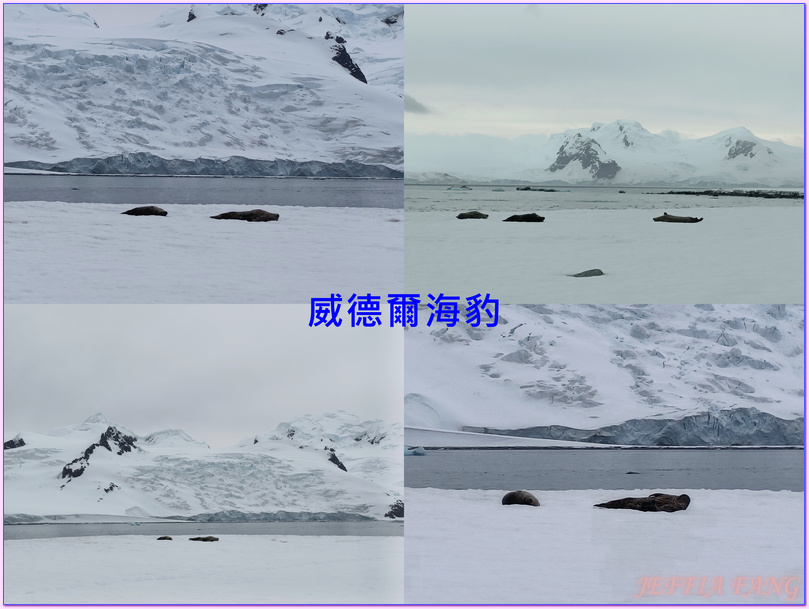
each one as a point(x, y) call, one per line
point(656, 502)
point(148, 210)
point(685, 219)
point(520, 498)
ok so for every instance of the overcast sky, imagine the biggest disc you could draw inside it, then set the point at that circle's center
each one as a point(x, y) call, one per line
point(508, 70)
point(219, 373)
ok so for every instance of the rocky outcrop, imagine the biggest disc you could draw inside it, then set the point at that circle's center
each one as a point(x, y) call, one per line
point(342, 57)
point(589, 154)
point(334, 459)
point(17, 442)
point(148, 210)
point(254, 215)
point(143, 163)
point(396, 510)
point(112, 439)
point(736, 427)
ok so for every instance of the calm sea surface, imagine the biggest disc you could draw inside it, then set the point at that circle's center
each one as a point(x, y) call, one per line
point(493, 198)
point(193, 529)
point(146, 190)
point(580, 469)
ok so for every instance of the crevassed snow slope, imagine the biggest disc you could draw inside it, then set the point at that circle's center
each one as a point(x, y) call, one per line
point(236, 80)
point(89, 469)
point(591, 366)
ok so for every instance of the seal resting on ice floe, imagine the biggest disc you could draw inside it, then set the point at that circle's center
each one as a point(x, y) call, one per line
point(254, 215)
point(667, 218)
point(590, 273)
point(148, 210)
point(656, 502)
point(520, 498)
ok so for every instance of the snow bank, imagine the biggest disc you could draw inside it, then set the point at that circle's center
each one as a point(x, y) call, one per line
point(258, 569)
point(465, 547)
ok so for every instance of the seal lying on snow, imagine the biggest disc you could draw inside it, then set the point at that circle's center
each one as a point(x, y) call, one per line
point(472, 215)
point(525, 218)
point(148, 210)
point(667, 218)
point(254, 215)
point(656, 502)
point(520, 498)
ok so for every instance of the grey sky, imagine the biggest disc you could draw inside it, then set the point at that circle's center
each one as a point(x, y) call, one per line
point(508, 70)
point(220, 373)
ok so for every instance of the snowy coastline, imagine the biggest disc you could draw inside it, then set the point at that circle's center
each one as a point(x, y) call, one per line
point(567, 551)
point(73, 253)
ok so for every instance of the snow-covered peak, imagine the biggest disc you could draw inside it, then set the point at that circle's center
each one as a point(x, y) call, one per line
point(97, 419)
point(340, 429)
point(45, 18)
point(171, 437)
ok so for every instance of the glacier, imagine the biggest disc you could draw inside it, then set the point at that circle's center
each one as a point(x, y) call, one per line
point(207, 90)
point(650, 375)
point(100, 468)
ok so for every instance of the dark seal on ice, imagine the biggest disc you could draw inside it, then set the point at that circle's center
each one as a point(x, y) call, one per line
point(520, 498)
point(686, 219)
point(656, 502)
point(206, 538)
point(472, 215)
point(254, 215)
point(148, 210)
point(590, 273)
point(525, 218)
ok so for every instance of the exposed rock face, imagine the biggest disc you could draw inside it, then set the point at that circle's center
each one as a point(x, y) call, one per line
point(333, 459)
point(17, 442)
point(472, 215)
point(254, 215)
point(342, 57)
point(148, 210)
point(742, 148)
point(656, 502)
point(396, 510)
point(112, 439)
point(589, 154)
point(138, 163)
point(683, 219)
point(525, 218)
point(520, 498)
point(737, 427)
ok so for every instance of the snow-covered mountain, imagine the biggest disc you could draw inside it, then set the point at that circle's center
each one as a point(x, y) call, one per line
point(332, 467)
point(271, 89)
point(645, 374)
point(625, 153)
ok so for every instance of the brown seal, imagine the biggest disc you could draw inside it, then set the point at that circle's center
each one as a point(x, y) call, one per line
point(656, 502)
point(520, 498)
point(148, 210)
point(254, 215)
point(472, 215)
point(667, 218)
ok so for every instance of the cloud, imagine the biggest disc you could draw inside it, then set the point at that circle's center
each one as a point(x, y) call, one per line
point(411, 105)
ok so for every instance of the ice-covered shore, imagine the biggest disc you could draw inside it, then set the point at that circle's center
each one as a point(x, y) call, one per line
point(728, 547)
point(260, 569)
point(77, 253)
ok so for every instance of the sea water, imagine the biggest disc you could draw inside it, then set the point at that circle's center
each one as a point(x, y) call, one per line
point(580, 468)
point(195, 190)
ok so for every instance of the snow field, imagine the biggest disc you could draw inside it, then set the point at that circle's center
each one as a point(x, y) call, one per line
point(90, 253)
point(465, 547)
point(750, 255)
point(236, 569)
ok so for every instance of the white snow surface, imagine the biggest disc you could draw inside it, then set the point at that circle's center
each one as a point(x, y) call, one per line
point(744, 254)
point(731, 158)
point(465, 547)
point(589, 366)
point(254, 569)
point(224, 84)
point(170, 474)
point(78, 253)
